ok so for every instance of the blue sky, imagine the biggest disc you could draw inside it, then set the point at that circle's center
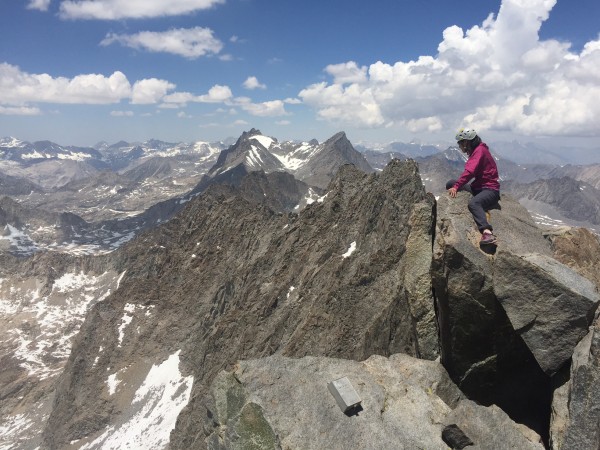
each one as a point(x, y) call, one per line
point(77, 72)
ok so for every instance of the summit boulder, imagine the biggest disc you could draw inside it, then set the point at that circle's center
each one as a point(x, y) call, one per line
point(508, 321)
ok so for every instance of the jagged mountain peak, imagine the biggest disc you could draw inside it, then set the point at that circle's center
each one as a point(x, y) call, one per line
point(10, 141)
point(247, 135)
point(120, 144)
point(158, 144)
point(336, 137)
point(252, 131)
point(310, 162)
point(454, 154)
point(101, 145)
point(254, 135)
point(46, 145)
point(250, 150)
point(326, 158)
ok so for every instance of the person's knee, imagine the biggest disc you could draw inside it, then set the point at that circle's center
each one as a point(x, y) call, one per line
point(474, 204)
point(450, 183)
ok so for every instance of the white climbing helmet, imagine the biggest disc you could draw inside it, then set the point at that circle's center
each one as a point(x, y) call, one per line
point(465, 133)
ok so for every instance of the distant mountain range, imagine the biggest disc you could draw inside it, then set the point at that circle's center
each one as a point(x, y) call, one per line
point(144, 185)
point(116, 191)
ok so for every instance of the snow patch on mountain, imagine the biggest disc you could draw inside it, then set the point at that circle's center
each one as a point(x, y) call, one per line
point(204, 150)
point(40, 327)
point(11, 142)
point(112, 382)
point(310, 197)
point(97, 242)
point(35, 155)
point(37, 324)
point(129, 315)
point(74, 156)
point(17, 241)
point(547, 216)
point(254, 159)
point(155, 406)
point(14, 426)
point(350, 250)
point(298, 157)
point(265, 141)
point(125, 320)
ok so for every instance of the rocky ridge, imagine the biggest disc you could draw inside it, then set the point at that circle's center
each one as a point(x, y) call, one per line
point(497, 348)
point(351, 276)
point(574, 199)
point(347, 278)
point(258, 285)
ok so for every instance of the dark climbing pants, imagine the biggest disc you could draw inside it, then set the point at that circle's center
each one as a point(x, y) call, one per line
point(482, 201)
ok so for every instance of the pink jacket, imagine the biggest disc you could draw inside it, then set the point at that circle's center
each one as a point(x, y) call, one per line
point(481, 166)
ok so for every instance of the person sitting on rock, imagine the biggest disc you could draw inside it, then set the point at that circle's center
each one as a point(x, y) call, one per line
point(485, 187)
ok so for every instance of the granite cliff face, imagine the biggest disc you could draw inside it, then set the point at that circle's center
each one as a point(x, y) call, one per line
point(509, 322)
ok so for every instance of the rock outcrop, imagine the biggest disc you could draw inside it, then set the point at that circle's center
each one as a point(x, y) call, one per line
point(576, 404)
point(277, 403)
point(579, 249)
point(548, 304)
point(508, 321)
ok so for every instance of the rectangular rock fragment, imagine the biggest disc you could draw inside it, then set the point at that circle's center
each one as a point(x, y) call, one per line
point(344, 394)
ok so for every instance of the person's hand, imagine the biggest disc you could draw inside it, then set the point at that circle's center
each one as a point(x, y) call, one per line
point(452, 192)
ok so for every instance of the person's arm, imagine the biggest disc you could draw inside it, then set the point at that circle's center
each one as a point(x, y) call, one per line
point(470, 170)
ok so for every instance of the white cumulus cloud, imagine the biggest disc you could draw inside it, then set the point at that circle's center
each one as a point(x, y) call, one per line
point(18, 88)
point(253, 83)
point(271, 108)
point(497, 75)
point(216, 94)
point(131, 9)
point(19, 111)
point(41, 5)
point(121, 113)
point(347, 73)
point(190, 43)
point(150, 90)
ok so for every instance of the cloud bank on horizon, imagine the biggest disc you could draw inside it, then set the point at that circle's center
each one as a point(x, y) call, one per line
point(497, 75)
